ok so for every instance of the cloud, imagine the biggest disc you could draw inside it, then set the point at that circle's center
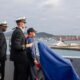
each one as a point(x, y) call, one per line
point(51, 3)
point(55, 15)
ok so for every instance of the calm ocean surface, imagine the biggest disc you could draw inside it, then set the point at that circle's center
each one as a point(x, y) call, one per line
point(49, 43)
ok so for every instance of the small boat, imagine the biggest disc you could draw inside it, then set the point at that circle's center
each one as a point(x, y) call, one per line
point(62, 45)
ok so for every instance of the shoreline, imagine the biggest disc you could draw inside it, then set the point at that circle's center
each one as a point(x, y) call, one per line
point(75, 48)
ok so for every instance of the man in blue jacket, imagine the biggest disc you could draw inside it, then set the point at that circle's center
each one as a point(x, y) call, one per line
point(31, 52)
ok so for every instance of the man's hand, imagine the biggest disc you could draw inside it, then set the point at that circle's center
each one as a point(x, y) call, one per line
point(29, 45)
point(35, 61)
point(38, 65)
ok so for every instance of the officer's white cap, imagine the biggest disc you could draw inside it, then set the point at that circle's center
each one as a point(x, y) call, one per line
point(23, 19)
point(4, 23)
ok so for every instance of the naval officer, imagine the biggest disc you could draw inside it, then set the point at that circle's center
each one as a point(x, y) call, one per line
point(18, 52)
point(3, 49)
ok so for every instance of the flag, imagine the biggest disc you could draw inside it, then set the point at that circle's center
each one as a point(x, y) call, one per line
point(54, 66)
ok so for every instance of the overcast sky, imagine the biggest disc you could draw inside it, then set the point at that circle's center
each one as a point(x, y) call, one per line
point(52, 16)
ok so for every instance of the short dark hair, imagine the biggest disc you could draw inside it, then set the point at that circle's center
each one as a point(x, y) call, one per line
point(31, 30)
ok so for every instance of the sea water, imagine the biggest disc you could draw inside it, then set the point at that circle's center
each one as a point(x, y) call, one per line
point(49, 43)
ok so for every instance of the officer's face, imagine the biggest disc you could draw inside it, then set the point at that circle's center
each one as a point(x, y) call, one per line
point(4, 28)
point(22, 24)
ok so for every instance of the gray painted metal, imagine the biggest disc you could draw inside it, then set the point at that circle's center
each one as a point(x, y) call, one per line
point(9, 69)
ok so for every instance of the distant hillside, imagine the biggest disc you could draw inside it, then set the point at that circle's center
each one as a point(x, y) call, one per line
point(47, 35)
point(43, 34)
point(40, 34)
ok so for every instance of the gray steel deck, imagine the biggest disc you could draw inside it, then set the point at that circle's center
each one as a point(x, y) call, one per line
point(76, 64)
point(9, 68)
